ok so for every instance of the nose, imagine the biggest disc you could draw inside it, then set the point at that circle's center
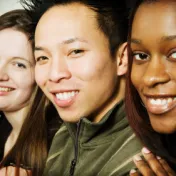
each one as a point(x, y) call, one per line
point(59, 70)
point(3, 74)
point(156, 72)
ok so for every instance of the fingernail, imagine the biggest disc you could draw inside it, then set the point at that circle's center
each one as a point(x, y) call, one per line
point(137, 158)
point(158, 157)
point(132, 171)
point(146, 150)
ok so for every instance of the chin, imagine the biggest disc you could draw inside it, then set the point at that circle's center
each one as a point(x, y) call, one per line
point(71, 119)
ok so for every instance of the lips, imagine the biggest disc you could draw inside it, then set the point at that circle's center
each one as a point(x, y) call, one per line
point(160, 104)
point(65, 99)
point(5, 90)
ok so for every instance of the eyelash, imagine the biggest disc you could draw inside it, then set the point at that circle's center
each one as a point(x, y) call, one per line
point(144, 56)
point(171, 53)
point(41, 58)
point(19, 65)
point(76, 52)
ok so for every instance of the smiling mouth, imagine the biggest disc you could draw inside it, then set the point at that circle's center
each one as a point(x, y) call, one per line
point(162, 101)
point(160, 105)
point(66, 95)
point(65, 99)
point(6, 89)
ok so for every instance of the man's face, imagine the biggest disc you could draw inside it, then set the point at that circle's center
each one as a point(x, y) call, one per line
point(74, 67)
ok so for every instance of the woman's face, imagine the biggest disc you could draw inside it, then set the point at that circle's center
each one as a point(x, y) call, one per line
point(153, 43)
point(16, 70)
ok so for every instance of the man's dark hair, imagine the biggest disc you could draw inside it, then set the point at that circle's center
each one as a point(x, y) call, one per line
point(111, 16)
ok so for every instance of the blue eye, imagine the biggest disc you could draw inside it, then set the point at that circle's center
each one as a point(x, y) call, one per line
point(19, 65)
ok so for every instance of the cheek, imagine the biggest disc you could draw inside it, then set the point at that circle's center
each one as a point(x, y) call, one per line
point(23, 79)
point(28, 83)
point(40, 75)
point(136, 77)
point(92, 68)
point(171, 70)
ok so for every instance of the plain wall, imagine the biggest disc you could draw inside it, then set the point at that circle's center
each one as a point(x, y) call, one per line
point(7, 5)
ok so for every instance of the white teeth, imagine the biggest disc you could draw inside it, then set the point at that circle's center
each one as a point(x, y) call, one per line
point(152, 101)
point(5, 89)
point(66, 95)
point(170, 100)
point(162, 101)
point(158, 101)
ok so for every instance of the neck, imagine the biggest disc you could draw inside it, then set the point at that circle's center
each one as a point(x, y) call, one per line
point(117, 97)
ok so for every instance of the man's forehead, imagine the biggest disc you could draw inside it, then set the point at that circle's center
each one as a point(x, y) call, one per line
point(65, 23)
point(58, 12)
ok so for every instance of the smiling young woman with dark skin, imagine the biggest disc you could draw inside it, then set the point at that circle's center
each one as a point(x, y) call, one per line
point(151, 85)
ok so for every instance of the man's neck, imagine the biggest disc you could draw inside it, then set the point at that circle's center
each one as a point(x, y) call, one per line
point(117, 97)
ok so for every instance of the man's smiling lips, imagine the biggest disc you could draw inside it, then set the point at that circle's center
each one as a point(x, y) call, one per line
point(158, 104)
point(65, 98)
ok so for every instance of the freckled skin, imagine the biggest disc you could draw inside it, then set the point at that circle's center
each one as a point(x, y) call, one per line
point(93, 72)
point(153, 26)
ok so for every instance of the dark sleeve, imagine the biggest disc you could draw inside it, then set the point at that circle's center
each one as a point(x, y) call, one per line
point(5, 129)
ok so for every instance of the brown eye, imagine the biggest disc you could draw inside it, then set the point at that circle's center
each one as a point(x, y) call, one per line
point(77, 51)
point(173, 55)
point(41, 58)
point(140, 56)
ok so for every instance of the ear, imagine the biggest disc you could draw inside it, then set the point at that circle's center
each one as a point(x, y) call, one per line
point(122, 59)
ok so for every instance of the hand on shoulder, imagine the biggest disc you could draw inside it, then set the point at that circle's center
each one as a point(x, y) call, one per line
point(151, 165)
point(10, 171)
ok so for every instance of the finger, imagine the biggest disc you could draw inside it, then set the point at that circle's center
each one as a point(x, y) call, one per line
point(143, 166)
point(153, 162)
point(24, 172)
point(3, 172)
point(166, 166)
point(134, 172)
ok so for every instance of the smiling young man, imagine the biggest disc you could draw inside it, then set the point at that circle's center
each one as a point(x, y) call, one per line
point(80, 65)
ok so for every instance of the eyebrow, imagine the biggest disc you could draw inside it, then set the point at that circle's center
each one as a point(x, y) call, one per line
point(135, 41)
point(22, 58)
point(168, 38)
point(65, 42)
point(163, 39)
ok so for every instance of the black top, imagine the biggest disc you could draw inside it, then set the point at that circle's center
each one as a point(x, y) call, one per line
point(5, 129)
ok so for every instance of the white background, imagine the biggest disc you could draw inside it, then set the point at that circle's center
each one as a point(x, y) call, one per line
point(7, 5)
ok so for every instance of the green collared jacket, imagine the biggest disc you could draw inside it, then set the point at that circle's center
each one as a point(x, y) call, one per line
point(94, 149)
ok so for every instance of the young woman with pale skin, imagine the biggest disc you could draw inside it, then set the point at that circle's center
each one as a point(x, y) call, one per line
point(151, 85)
point(24, 140)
